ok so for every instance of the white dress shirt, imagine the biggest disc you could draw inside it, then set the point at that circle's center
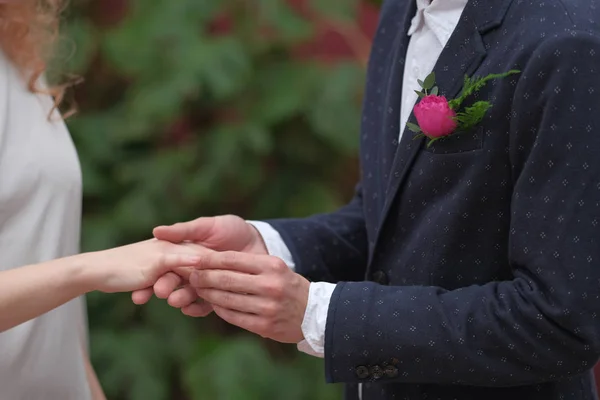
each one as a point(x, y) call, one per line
point(430, 31)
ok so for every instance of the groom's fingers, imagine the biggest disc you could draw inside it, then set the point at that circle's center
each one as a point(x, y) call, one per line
point(238, 261)
point(143, 296)
point(230, 281)
point(182, 297)
point(166, 284)
point(197, 230)
point(238, 302)
point(197, 309)
point(249, 322)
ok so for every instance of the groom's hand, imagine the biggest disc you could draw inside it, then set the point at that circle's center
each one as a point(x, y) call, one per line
point(258, 293)
point(221, 233)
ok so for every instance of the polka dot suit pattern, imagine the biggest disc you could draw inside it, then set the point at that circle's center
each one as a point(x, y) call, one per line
point(470, 270)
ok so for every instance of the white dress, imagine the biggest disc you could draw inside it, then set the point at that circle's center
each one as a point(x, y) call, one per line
point(40, 214)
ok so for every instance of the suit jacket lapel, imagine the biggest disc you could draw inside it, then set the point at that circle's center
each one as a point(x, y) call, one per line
point(462, 55)
point(393, 95)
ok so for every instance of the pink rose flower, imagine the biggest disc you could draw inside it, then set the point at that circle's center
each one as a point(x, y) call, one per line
point(434, 116)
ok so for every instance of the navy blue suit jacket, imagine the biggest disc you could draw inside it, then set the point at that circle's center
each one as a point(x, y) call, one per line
point(470, 270)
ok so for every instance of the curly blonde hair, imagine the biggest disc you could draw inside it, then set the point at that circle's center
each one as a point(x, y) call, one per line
point(29, 30)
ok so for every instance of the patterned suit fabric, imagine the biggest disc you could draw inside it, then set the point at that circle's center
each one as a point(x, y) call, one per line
point(471, 269)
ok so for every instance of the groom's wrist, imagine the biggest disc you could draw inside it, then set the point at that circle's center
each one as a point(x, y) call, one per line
point(273, 242)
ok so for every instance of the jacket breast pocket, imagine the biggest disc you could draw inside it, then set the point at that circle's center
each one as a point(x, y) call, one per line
point(461, 142)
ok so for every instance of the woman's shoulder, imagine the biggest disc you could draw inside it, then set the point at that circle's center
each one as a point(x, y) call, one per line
point(10, 78)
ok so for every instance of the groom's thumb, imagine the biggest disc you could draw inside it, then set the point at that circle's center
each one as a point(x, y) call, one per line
point(197, 230)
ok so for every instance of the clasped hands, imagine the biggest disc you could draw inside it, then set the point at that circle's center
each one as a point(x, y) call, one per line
point(234, 277)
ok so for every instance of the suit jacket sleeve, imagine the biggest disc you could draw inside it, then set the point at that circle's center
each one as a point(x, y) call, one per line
point(328, 247)
point(543, 324)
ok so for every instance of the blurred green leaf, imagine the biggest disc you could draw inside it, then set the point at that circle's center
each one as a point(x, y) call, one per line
point(335, 114)
point(336, 9)
point(285, 90)
point(289, 25)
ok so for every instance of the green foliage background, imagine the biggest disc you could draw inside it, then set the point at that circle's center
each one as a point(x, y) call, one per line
point(179, 119)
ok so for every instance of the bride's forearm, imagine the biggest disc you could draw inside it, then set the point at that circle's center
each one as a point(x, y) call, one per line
point(33, 290)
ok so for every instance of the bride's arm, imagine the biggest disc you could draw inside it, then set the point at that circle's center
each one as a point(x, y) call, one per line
point(32, 290)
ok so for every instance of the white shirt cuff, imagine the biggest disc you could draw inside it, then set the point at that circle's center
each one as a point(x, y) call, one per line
point(275, 244)
point(315, 319)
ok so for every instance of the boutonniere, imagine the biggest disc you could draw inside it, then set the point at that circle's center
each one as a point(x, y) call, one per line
point(438, 118)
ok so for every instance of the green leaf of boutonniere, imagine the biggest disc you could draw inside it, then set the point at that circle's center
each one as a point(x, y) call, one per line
point(429, 81)
point(473, 115)
point(432, 140)
point(434, 91)
point(421, 94)
point(472, 85)
point(413, 127)
point(421, 83)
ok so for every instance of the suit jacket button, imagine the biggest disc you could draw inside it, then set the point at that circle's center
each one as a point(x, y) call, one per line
point(380, 277)
point(376, 372)
point(362, 372)
point(391, 371)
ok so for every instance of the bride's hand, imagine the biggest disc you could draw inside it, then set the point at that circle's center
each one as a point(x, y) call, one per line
point(139, 265)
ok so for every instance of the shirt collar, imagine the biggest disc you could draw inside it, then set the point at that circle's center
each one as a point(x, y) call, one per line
point(441, 16)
